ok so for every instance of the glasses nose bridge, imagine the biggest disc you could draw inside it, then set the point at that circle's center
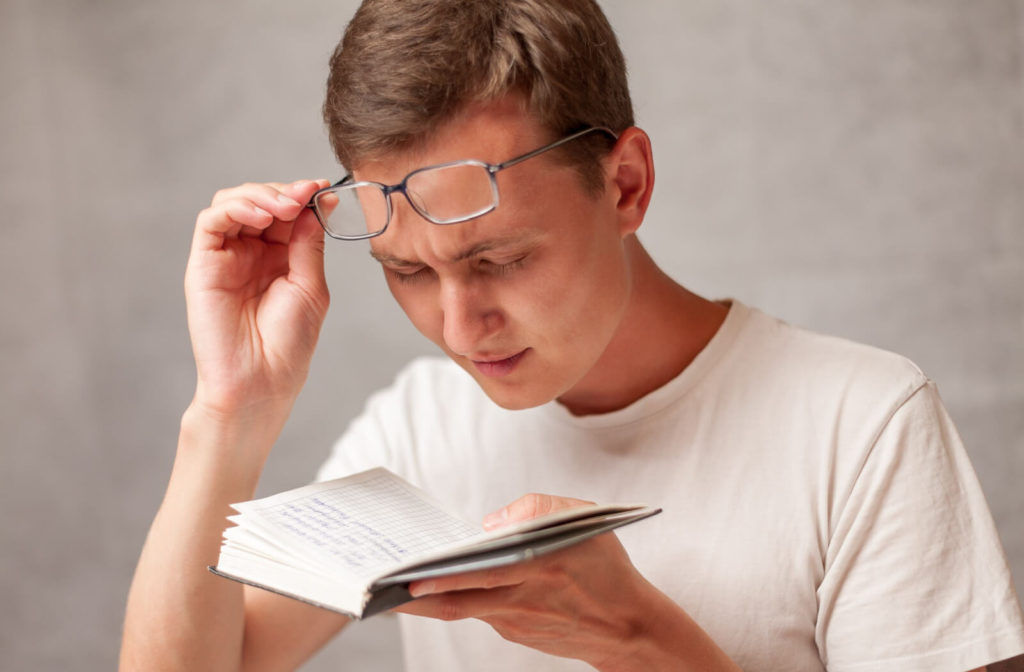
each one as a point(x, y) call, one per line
point(402, 188)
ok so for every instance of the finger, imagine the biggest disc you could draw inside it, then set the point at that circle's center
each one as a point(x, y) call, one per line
point(261, 193)
point(281, 205)
point(226, 220)
point(256, 209)
point(282, 186)
point(253, 210)
point(484, 579)
point(528, 507)
point(306, 255)
point(460, 605)
point(278, 233)
point(303, 190)
point(299, 190)
point(290, 195)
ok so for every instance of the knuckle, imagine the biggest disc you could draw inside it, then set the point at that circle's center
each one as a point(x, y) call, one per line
point(527, 505)
point(205, 215)
point(537, 504)
point(554, 572)
point(493, 578)
point(448, 610)
point(509, 632)
point(518, 631)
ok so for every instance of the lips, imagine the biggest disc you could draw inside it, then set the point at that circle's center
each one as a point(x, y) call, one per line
point(495, 368)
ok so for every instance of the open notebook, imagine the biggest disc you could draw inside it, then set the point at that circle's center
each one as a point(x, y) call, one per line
point(353, 544)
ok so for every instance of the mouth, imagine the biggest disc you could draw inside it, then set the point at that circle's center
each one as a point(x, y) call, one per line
point(496, 368)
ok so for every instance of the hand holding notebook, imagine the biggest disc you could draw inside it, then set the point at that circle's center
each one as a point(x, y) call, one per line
point(354, 544)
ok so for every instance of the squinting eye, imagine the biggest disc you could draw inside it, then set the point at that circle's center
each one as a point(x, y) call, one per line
point(406, 277)
point(505, 267)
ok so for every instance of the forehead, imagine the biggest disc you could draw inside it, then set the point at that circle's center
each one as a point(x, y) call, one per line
point(517, 225)
point(492, 131)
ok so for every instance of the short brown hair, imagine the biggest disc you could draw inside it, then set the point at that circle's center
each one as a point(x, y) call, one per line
point(404, 67)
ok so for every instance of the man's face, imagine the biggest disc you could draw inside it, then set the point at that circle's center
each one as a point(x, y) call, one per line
point(527, 297)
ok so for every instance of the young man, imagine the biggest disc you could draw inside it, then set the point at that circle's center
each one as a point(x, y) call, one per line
point(819, 509)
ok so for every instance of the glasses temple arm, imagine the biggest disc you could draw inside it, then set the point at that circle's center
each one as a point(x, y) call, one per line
point(557, 143)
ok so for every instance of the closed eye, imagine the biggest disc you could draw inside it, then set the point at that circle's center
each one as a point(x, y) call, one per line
point(503, 267)
point(408, 275)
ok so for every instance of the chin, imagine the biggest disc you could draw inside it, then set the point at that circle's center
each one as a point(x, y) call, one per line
point(516, 397)
point(519, 391)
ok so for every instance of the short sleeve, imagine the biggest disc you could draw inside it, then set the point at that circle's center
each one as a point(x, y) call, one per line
point(915, 577)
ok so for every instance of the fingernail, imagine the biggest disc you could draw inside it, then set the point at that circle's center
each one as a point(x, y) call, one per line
point(261, 212)
point(422, 588)
point(495, 519)
point(287, 201)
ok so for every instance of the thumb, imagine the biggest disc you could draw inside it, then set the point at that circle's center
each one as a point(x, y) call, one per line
point(528, 507)
point(306, 255)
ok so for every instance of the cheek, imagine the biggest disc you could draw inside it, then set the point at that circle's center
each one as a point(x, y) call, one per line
point(578, 297)
point(420, 307)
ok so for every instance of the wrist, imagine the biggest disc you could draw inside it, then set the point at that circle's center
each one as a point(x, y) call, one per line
point(242, 401)
point(228, 445)
point(243, 416)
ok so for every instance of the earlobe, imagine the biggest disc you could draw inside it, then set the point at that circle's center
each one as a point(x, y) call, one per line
point(631, 172)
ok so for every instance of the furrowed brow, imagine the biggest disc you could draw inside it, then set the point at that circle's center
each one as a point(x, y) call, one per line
point(469, 253)
point(488, 245)
point(389, 260)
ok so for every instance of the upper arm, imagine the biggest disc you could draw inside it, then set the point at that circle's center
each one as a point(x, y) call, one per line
point(914, 495)
point(282, 633)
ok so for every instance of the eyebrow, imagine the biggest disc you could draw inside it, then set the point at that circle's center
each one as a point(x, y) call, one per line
point(468, 253)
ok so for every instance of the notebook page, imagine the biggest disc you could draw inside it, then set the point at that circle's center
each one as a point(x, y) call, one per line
point(361, 525)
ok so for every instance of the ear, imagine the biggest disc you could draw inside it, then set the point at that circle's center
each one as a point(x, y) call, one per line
point(630, 178)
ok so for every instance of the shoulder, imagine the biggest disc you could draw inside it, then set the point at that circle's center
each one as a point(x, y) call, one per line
point(806, 364)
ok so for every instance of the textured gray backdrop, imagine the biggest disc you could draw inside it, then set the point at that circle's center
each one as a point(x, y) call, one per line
point(853, 166)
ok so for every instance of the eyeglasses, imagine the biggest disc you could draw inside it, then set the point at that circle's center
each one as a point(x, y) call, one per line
point(447, 193)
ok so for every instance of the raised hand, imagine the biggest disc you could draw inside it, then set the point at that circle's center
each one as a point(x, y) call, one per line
point(256, 295)
point(256, 299)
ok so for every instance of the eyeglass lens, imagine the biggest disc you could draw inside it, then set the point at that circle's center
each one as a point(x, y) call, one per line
point(442, 194)
point(453, 193)
point(348, 211)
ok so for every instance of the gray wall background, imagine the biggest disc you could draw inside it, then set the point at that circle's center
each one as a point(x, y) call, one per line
point(853, 166)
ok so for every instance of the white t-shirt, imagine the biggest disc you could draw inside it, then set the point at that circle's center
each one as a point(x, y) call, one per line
point(819, 509)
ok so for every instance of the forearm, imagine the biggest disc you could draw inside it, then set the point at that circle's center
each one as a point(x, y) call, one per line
point(179, 616)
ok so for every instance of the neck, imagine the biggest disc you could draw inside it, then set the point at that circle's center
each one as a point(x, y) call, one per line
point(662, 330)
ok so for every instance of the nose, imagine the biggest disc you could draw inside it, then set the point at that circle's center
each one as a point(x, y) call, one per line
point(469, 316)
